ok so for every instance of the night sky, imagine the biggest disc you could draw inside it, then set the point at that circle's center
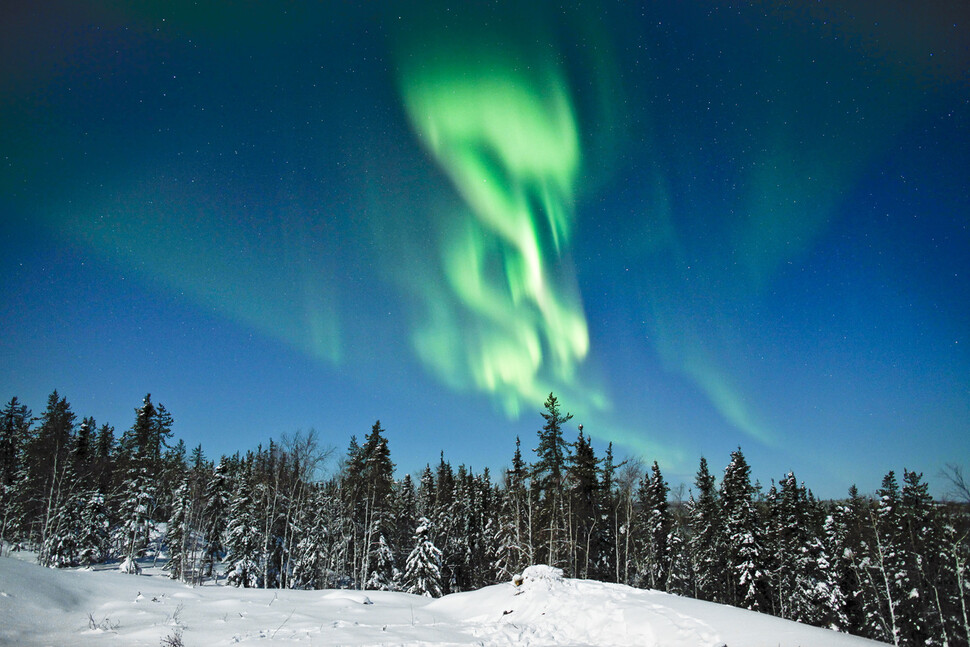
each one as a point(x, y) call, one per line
point(701, 226)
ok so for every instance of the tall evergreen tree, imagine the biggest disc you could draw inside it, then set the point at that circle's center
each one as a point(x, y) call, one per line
point(47, 462)
point(214, 517)
point(15, 421)
point(919, 623)
point(653, 529)
point(706, 542)
point(585, 544)
point(179, 534)
point(548, 476)
point(741, 535)
point(138, 490)
point(244, 536)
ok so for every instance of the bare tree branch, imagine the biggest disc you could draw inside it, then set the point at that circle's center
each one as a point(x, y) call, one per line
point(959, 488)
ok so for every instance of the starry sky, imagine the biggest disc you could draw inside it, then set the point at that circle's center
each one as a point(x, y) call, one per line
point(703, 225)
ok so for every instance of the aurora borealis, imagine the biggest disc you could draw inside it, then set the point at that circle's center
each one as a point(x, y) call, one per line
point(701, 226)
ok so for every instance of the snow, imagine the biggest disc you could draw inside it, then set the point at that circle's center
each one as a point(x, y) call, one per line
point(40, 606)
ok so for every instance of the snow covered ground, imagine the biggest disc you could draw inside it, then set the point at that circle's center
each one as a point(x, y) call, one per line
point(40, 606)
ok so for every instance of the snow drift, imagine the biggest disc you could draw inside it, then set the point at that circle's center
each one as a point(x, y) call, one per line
point(40, 606)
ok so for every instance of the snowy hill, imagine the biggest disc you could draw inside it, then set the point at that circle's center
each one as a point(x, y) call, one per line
point(40, 606)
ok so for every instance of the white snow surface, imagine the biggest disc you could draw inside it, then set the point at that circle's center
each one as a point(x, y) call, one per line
point(40, 606)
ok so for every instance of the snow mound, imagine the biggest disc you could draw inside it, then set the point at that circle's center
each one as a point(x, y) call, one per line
point(542, 572)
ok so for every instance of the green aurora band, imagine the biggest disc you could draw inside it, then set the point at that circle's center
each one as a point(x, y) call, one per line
point(506, 136)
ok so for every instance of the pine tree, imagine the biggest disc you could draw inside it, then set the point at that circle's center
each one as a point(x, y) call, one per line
point(885, 563)
point(384, 575)
point(608, 566)
point(706, 543)
point(405, 512)
point(582, 469)
point(179, 533)
point(919, 624)
point(310, 556)
point(681, 576)
point(94, 537)
point(46, 464)
point(134, 513)
point(741, 538)
point(834, 571)
point(61, 547)
point(653, 528)
point(422, 575)
point(138, 490)
point(103, 468)
point(82, 456)
point(216, 496)
point(15, 421)
point(243, 538)
point(548, 476)
point(377, 482)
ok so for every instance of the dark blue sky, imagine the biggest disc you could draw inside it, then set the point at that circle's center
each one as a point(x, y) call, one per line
point(700, 226)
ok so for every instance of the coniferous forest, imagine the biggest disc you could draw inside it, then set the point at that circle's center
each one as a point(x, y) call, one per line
point(891, 567)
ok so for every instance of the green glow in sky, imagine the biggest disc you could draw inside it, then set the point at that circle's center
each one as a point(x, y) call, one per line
point(505, 134)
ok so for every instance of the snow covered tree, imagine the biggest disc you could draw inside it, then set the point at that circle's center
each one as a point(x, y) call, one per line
point(138, 489)
point(310, 561)
point(919, 620)
point(740, 533)
point(681, 576)
point(706, 543)
point(384, 575)
point(94, 537)
point(180, 533)
point(405, 512)
point(422, 575)
point(652, 529)
point(46, 462)
point(513, 550)
point(214, 515)
point(60, 548)
point(243, 538)
point(134, 513)
point(15, 421)
point(607, 567)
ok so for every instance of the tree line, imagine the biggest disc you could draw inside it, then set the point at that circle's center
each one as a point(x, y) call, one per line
point(891, 567)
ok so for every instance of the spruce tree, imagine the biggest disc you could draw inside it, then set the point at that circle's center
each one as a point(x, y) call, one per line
point(46, 464)
point(653, 528)
point(582, 468)
point(384, 575)
point(706, 542)
point(179, 534)
point(104, 460)
point(741, 535)
point(422, 575)
point(885, 564)
point(94, 539)
point(310, 557)
point(548, 474)
point(919, 623)
point(15, 421)
point(244, 538)
point(138, 489)
point(214, 517)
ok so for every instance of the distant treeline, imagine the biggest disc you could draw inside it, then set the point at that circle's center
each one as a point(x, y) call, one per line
point(893, 568)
